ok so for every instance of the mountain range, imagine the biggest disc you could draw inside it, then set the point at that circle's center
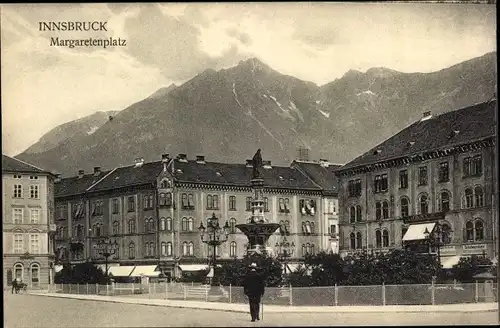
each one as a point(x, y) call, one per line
point(226, 115)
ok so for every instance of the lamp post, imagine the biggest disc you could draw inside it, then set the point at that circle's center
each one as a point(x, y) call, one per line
point(433, 240)
point(214, 235)
point(106, 248)
point(285, 250)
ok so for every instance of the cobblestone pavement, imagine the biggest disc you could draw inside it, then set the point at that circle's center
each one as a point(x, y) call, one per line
point(38, 311)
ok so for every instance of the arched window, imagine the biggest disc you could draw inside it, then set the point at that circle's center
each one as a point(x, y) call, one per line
point(352, 238)
point(444, 201)
point(479, 230)
point(169, 224)
point(469, 198)
point(163, 199)
point(232, 225)
point(146, 250)
point(190, 224)
point(232, 249)
point(378, 239)
point(209, 201)
point(116, 228)
point(184, 200)
point(98, 229)
point(282, 227)
point(312, 227)
point(446, 233)
point(191, 248)
point(19, 271)
point(35, 274)
point(352, 214)
point(131, 226)
point(311, 249)
point(163, 248)
point(478, 194)
point(146, 225)
point(184, 224)
point(385, 210)
point(162, 224)
point(359, 216)
point(469, 231)
point(378, 211)
point(304, 250)
point(405, 207)
point(424, 204)
point(152, 249)
point(168, 199)
point(153, 224)
point(185, 248)
point(359, 240)
point(169, 249)
point(385, 238)
point(287, 227)
point(164, 184)
point(215, 202)
point(131, 250)
point(191, 201)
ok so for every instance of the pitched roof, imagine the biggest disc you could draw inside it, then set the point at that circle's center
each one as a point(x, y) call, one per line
point(322, 175)
point(130, 176)
point(240, 175)
point(10, 164)
point(76, 185)
point(450, 129)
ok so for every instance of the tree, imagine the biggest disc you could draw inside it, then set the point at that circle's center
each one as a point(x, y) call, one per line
point(468, 267)
point(327, 269)
point(234, 272)
point(82, 273)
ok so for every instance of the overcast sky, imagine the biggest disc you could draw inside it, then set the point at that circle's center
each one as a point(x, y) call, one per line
point(45, 86)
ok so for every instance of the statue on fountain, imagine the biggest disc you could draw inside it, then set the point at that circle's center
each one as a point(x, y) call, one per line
point(257, 165)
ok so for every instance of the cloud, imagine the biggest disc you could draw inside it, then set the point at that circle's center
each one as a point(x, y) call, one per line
point(243, 37)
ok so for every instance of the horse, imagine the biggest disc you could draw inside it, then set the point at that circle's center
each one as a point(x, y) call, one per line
point(17, 286)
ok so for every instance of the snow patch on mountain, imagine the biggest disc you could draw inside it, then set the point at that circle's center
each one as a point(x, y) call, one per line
point(92, 130)
point(367, 92)
point(325, 114)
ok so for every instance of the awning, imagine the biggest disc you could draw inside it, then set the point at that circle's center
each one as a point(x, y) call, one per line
point(416, 231)
point(121, 271)
point(145, 270)
point(210, 273)
point(58, 268)
point(449, 261)
point(103, 266)
point(193, 267)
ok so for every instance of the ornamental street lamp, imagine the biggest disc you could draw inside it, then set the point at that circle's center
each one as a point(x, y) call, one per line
point(106, 248)
point(436, 239)
point(285, 250)
point(214, 235)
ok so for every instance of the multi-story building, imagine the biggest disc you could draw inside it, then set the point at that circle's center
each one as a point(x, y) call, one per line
point(322, 173)
point(153, 210)
point(438, 174)
point(28, 221)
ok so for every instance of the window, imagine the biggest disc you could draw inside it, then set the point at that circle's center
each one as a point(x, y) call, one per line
point(18, 191)
point(35, 273)
point(232, 203)
point(378, 211)
point(212, 202)
point(385, 210)
point(469, 231)
point(446, 233)
point(474, 230)
point(333, 229)
point(191, 201)
point(358, 213)
point(307, 206)
point(352, 238)
point(422, 176)
point(444, 172)
point(331, 207)
point(191, 249)
point(359, 240)
point(165, 184)
point(185, 248)
point(385, 238)
point(34, 191)
point(308, 228)
point(17, 214)
point(34, 244)
point(162, 224)
point(184, 201)
point(131, 250)
point(33, 177)
point(131, 226)
point(17, 176)
point(131, 203)
point(169, 249)
point(162, 201)
point(352, 214)
point(469, 198)
point(479, 229)
point(163, 247)
point(19, 271)
point(381, 183)
point(444, 201)
point(151, 249)
point(232, 225)
point(169, 224)
point(97, 208)
point(116, 206)
point(146, 250)
point(184, 224)
point(478, 195)
point(354, 188)
point(148, 202)
point(18, 243)
point(378, 239)
point(232, 249)
point(284, 205)
point(249, 203)
point(424, 204)
point(266, 204)
point(190, 224)
point(473, 166)
point(116, 228)
point(403, 179)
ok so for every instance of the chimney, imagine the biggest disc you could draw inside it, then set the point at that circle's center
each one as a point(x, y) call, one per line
point(165, 157)
point(249, 163)
point(58, 178)
point(182, 158)
point(200, 159)
point(80, 174)
point(267, 164)
point(97, 170)
point(139, 162)
point(426, 116)
point(324, 163)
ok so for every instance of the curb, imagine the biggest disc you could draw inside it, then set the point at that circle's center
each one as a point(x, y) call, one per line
point(242, 308)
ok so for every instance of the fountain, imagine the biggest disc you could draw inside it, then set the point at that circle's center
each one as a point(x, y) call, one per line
point(257, 230)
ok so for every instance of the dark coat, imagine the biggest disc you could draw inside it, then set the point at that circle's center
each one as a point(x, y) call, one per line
point(254, 284)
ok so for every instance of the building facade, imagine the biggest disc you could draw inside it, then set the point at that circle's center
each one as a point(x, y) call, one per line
point(437, 174)
point(153, 211)
point(28, 223)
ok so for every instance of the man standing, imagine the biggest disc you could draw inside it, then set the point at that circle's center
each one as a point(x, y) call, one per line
point(254, 290)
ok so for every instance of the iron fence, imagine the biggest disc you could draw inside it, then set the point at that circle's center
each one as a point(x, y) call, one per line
point(423, 294)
